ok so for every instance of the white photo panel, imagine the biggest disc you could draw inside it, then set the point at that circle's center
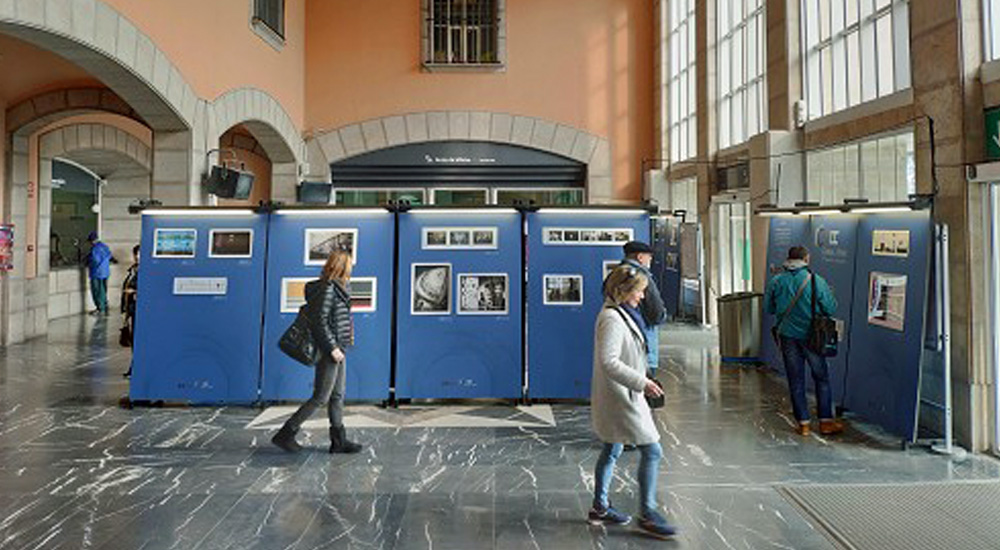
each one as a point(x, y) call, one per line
point(230, 243)
point(175, 243)
point(562, 290)
point(320, 242)
point(483, 294)
point(430, 289)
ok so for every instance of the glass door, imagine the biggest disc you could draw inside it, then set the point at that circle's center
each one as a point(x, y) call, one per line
point(992, 218)
point(733, 247)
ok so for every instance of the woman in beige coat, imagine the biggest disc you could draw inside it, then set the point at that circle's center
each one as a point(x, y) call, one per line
point(619, 413)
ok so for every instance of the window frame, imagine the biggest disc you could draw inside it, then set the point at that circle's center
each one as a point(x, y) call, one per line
point(429, 59)
point(263, 28)
point(682, 129)
point(866, 177)
point(728, 32)
point(858, 33)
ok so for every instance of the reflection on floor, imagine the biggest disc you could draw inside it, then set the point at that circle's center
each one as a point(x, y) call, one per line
point(78, 471)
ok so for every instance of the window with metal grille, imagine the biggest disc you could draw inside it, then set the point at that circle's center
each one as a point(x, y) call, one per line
point(741, 47)
point(463, 32)
point(271, 14)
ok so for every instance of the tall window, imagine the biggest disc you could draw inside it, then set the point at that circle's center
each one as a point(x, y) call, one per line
point(463, 32)
point(855, 51)
point(880, 170)
point(991, 18)
point(682, 118)
point(684, 196)
point(742, 65)
point(271, 14)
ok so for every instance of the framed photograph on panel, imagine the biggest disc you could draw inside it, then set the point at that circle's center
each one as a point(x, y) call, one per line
point(230, 243)
point(459, 238)
point(319, 243)
point(174, 243)
point(482, 294)
point(364, 294)
point(608, 267)
point(585, 236)
point(293, 293)
point(562, 290)
point(430, 289)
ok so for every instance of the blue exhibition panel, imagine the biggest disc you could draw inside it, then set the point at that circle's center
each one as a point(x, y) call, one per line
point(887, 334)
point(832, 251)
point(198, 321)
point(784, 232)
point(295, 255)
point(561, 315)
point(667, 262)
point(459, 304)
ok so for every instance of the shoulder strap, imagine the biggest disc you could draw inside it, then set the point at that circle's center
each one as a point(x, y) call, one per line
point(802, 288)
point(628, 322)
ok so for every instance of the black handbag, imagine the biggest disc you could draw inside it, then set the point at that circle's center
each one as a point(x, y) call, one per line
point(297, 341)
point(125, 336)
point(823, 336)
point(656, 402)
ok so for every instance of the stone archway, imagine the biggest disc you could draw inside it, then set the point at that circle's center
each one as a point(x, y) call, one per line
point(124, 162)
point(270, 125)
point(552, 137)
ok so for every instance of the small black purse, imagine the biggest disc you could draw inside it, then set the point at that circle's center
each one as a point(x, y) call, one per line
point(656, 402)
point(297, 341)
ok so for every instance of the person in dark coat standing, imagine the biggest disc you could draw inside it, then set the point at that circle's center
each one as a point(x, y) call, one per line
point(99, 262)
point(640, 256)
point(328, 311)
point(130, 289)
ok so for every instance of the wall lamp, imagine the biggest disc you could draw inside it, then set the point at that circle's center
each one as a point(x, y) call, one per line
point(850, 206)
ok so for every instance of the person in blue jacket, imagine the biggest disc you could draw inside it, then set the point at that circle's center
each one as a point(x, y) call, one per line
point(99, 261)
point(789, 297)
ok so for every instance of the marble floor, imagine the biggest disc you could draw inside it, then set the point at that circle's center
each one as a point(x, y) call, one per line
point(79, 471)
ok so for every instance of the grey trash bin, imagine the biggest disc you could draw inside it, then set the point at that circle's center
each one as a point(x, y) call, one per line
point(740, 326)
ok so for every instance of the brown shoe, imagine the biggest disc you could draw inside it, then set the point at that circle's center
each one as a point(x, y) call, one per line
point(831, 426)
point(804, 428)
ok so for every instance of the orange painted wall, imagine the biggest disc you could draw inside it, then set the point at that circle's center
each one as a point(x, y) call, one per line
point(583, 63)
point(213, 46)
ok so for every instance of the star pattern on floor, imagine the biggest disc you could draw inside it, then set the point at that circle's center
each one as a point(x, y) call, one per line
point(451, 416)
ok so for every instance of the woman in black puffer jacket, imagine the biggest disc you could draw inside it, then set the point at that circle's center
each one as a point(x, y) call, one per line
point(328, 310)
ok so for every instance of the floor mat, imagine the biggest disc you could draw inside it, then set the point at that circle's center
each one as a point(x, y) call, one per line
point(887, 517)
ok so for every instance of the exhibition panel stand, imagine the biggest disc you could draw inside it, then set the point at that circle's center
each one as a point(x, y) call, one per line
point(666, 266)
point(569, 252)
point(197, 332)
point(299, 241)
point(691, 306)
point(459, 304)
point(888, 332)
point(878, 266)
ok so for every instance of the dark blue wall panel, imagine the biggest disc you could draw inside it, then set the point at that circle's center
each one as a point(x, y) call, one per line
point(561, 338)
point(884, 375)
point(459, 355)
point(199, 348)
point(783, 233)
point(368, 363)
point(666, 262)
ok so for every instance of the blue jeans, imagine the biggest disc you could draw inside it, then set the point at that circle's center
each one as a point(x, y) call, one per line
point(653, 343)
point(796, 354)
point(649, 468)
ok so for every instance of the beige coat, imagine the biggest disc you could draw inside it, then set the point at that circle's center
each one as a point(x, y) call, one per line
point(619, 412)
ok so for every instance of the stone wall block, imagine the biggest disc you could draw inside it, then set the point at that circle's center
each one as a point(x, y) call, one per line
point(71, 137)
point(332, 147)
point(50, 102)
point(395, 130)
point(126, 42)
point(501, 127)
point(522, 130)
point(416, 127)
point(543, 134)
point(458, 125)
point(161, 71)
point(374, 135)
point(437, 125)
point(7, 10)
point(83, 98)
point(564, 139)
point(353, 140)
point(59, 16)
point(84, 15)
point(105, 27)
point(479, 126)
point(20, 114)
point(32, 12)
point(600, 163)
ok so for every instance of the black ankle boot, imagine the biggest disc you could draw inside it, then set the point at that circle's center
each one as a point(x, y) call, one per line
point(340, 444)
point(285, 440)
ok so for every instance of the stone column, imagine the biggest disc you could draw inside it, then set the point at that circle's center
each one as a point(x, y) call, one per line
point(176, 168)
point(945, 42)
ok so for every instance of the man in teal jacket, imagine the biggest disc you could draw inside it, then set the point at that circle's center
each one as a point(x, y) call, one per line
point(789, 297)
